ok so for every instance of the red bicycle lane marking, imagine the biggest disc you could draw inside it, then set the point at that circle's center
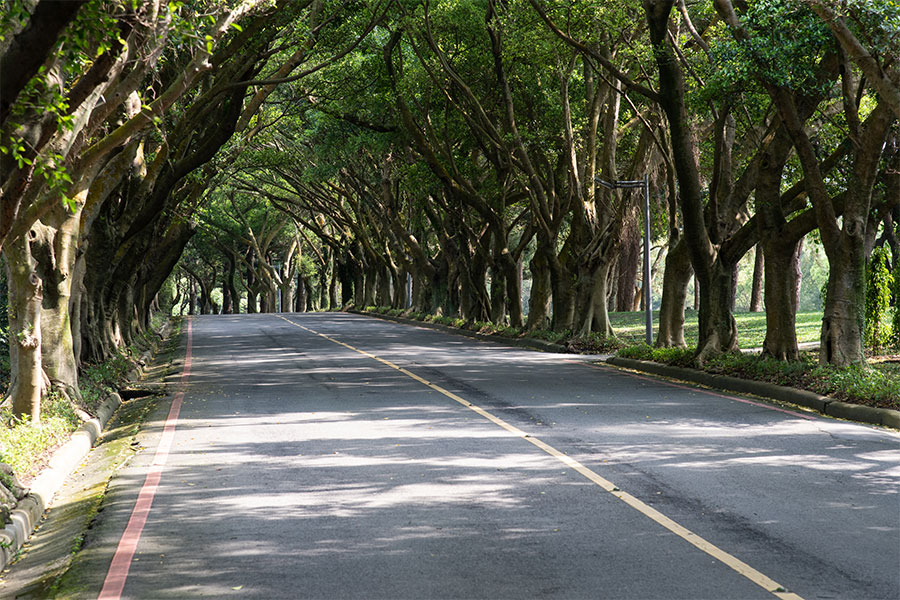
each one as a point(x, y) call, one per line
point(117, 574)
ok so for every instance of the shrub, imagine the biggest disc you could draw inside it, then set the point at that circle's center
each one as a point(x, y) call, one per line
point(22, 445)
point(895, 323)
point(681, 357)
point(879, 283)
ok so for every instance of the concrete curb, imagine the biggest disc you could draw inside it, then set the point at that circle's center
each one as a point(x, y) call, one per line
point(65, 459)
point(27, 514)
point(823, 404)
point(534, 344)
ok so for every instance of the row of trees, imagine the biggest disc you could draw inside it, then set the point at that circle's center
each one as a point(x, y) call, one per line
point(465, 139)
point(111, 113)
point(318, 148)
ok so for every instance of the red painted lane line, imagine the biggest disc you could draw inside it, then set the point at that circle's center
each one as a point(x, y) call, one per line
point(121, 562)
point(799, 415)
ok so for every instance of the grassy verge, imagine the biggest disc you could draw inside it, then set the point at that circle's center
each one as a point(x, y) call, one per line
point(629, 328)
point(23, 445)
point(26, 447)
point(877, 385)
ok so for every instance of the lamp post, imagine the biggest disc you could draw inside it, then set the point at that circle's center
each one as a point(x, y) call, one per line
point(645, 185)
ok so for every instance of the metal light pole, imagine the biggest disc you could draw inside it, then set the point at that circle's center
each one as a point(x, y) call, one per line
point(645, 185)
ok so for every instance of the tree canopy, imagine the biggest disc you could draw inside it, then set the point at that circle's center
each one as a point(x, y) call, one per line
point(438, 155)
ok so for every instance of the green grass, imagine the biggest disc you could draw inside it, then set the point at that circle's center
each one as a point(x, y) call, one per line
point(629, 327)
point(22, 445)
point(876, 385)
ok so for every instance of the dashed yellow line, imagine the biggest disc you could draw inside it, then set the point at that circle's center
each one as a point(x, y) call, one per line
point(684, 533)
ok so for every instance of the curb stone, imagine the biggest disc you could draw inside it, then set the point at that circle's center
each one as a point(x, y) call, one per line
point(65, 459)
point(822, 404)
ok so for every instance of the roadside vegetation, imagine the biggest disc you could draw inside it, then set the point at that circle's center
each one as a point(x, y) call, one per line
point(876, 384)
point(460, 157)
point(26, 446)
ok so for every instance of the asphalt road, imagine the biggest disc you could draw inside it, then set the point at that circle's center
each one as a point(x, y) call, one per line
point(304, 468)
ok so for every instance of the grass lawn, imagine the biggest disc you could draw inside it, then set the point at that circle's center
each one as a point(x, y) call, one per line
point(629, 326)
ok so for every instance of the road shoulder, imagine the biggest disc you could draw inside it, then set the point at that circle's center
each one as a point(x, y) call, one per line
point(79, 492)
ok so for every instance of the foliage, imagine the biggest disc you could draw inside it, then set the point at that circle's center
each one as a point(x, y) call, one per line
point(873, 386)
point(879, 284)
point(895, 322)
point(786, 37)
point(681, 357)
point(98, 381)
point(23, 446)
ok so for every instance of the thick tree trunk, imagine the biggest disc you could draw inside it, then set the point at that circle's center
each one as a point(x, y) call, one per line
point(227, 303)
point(234, 304)
point(383, 296)
point(718, 329)
point(498, 296)
point(286, 290)
point(562, 279)
point(539, 301)
point(54, 252)
point(781, 320)
point(511, 273)
point(302, 294)
point(629, 258)
point(843, 322)
point(25, 297)
point(676, 277)
point(591, 315)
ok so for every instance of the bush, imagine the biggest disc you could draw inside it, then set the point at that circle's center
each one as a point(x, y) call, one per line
point(879, 284)
point(679, 357)
point(895, 323)
point(870, 386)
point(23, 445)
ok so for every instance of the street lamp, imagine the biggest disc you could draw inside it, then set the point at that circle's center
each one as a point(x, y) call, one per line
point(645, 184)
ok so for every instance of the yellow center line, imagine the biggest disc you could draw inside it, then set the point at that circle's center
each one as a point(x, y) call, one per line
point(686, 534)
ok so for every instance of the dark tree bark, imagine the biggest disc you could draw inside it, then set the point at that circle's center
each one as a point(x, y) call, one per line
point(712, 272)
point(676, 277)
point(627, 265)
point(31, 47)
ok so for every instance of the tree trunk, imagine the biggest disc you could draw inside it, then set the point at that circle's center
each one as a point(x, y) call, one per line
point(25, 297)
point(718, 329)
point(562, 280)
point(287, 294)
point(781, 319)
point(498, 296)
point(676, 277)
point(756, 290)
point(539, 302)
point(843, 323)
point(54, 252)
point(629, 259)
point(302, 294)
point(512, 274)
point(590, 304)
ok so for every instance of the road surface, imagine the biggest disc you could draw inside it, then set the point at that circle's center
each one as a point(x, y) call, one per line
point(338, 456)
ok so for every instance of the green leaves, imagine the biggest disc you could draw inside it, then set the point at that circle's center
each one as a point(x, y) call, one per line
point(786, 44)
point(879, 282)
